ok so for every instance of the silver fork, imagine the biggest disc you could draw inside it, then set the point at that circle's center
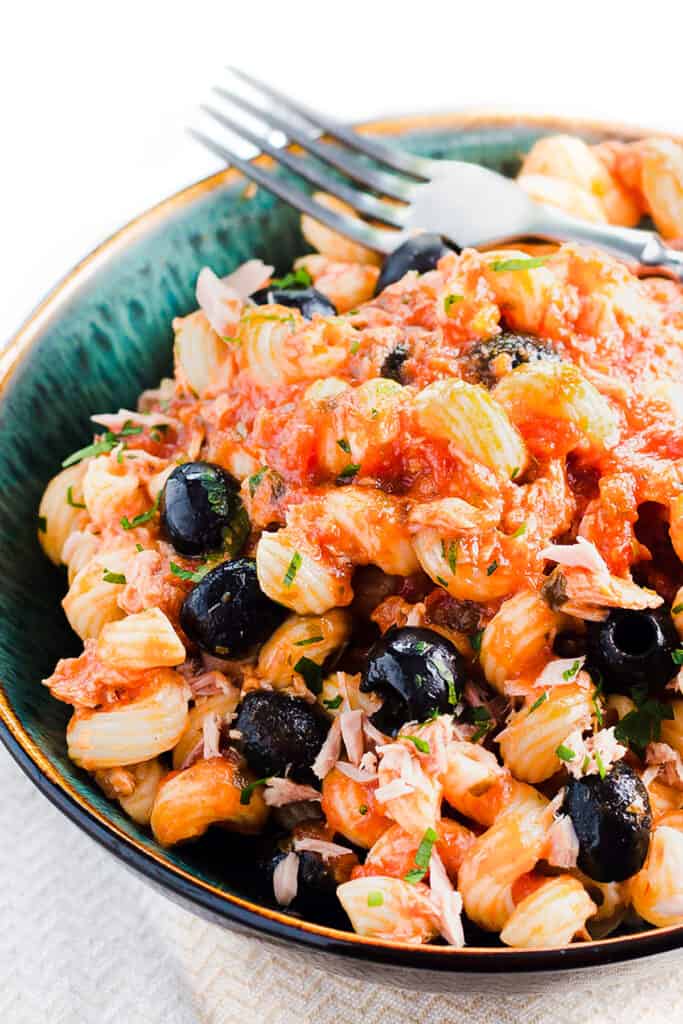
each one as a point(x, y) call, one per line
point(467, 204)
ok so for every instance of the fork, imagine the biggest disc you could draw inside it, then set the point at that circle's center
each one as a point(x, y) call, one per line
point(468, 205)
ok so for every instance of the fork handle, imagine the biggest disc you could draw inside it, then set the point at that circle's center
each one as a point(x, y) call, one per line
point(642, 247)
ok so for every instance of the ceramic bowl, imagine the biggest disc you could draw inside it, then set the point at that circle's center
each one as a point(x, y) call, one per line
point(101, 337)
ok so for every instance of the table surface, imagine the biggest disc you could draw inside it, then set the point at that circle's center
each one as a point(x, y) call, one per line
point(93, 133)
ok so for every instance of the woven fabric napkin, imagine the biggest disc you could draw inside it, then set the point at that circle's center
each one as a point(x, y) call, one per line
point(85, 941)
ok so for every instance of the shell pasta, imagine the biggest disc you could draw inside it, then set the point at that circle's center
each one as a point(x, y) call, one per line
point(388, 578)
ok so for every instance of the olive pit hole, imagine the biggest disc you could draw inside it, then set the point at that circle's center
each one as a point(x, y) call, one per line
point(634, 635)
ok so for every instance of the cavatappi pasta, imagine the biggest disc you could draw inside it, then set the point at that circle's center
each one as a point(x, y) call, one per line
point(392, 585)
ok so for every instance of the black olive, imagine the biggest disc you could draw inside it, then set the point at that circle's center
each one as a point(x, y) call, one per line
point(227, 612)
point(612, 820)
point(308, 301)
point(201, 510)
point(317, 879)
point(391, 367)
point(519, 348)
point(569, 645)
point(279, 731)
point(632, 648)
point(417, 672)
point(421, 253)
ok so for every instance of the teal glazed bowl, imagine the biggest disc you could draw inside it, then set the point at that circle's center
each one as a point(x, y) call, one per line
point(100, 338)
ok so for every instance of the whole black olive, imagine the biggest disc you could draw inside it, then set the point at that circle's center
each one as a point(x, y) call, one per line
point(421, 253)
point(393, 363)
point(518, 348)
point(278, 731)
point(612, 820)
point(417, 672)
point(227, 612)
point(317, 878)
point(308, 301)
point(201, 510)
point(632, 648)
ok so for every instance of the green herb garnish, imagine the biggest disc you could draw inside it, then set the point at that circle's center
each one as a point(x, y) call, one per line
point(363, 809)
point(375, 899)
point(344, 445)
point(527, 263)
point(453, 556)
point(520, 531)
point(422, 857)
point(514, 473)
point(677, 609)
point(256, 479)
point(246, 791)
point(350, 470)
point(492, 568)
point(677, 656)
point(334, 703)
point(308, 640)
point(451, 300)
point(70, 499)
point(643, 725)
point(292, 569)
point(600, 763)
point(537, 703)
point(311, 672)
point(187, 574)
point(42, 524)
point(420, 744)
point(299, 277)
point(143, 517)
point(475, 640)
point(565, 753)
point(570, 672)
point(113, 577)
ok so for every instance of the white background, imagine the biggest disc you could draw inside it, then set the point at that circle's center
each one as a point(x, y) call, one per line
point(95, 97)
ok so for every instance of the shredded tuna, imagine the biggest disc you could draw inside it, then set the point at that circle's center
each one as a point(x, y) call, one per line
point(328, 755)
point(392, 790)
point(193, 755)
point(437, 735)
point(115, 421)
point(563, 843)
point(352, 734)
point(675, 684)
point(211, 735)
point(581, 555)
point(372, 733)
point(560, 672)
point(221, 304)
point(593, 755)
point(668, 762)
point(208, 684)
point(446, 901)
point(279, 792)
point(248, 277)
point(355, 773)
point(325, 849)
point(286, 879)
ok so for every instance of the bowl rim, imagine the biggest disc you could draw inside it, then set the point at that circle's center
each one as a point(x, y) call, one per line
point(224, 906)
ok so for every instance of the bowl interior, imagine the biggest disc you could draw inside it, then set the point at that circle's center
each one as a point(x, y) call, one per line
point(99, 344)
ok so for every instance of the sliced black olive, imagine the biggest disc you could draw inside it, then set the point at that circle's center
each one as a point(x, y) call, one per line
point(391, 367)
point(279, 731)
point(417, 672)
point(317, 878)
point(227, 612)
point(517, 348)
point(421, 253)
point(308, 301)
point(201, 510)
point(612, 820)
point(632, 648)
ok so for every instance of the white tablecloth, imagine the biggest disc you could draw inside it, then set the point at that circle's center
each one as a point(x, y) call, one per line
point(85, 941)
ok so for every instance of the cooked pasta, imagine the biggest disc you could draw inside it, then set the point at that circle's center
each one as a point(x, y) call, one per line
point(388, 578)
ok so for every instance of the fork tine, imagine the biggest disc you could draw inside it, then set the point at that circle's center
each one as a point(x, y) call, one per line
point(360, 201)
point(378, 181)
point(406, 163)
point(373, 238)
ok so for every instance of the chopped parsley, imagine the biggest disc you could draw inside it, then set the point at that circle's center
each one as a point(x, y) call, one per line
point(514, 473)
point(113, 577)
point(537, 703)
point(70, 499)
point(677, 609)
point(527, 263)
point(643, 725)
point(292, 569)
point(139, 547)
point(308, 640)
point(143, 517)
point(311, 672)
point(375, 899)
point(420, 744)
point(349, 470)
point(246, 791)
point(442, 581)
point(107, 444)
point(334, 703)
point(187, 574)
point(482, 718)
point(492, 568)
point(565, 753)
point(299, 277)
point(344, 445)
point(600, 763)
point(42, 524)
point(570, 672)
point(475, 640)
point(520, 531)
point(451, 300)
point(422, 857)
point(256, 479)
point(677, 656)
